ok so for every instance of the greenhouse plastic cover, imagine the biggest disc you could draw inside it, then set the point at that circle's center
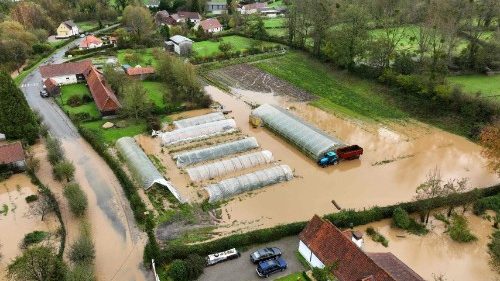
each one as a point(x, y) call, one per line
point(234, 186)
point(218, 151)
point(305, 136)
point(198, 120)
point(198, 131)
point(223, 167)
point(141, 166)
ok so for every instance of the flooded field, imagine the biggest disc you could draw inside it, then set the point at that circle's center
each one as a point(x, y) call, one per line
point(433, 253)
point(16, 220)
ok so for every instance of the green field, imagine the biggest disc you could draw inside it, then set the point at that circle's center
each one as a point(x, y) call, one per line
point(156, 92)
point(488, 86)
point(297, 276)
point(338, 92)
point(79, 90)
point(86, 25)
point(274, 23)
point(211, 48)
point(144, 57)
point(111, 135)
point(276, 3)
point(277, 32)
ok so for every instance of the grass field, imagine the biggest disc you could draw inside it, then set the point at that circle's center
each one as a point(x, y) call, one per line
point(338, 92)
point(77, 90)
point(156, 92)
point(276, 3)
point(144, 57)
point(274, 22)
point(277, 32)
point(211, 48)
point(297, 276)
point(86, 25)
point(111, 135)
point(488, 86)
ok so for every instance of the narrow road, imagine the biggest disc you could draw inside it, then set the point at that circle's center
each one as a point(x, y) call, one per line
point(119, 242)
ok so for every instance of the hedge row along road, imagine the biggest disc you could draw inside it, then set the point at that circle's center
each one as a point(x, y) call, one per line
point(118, 240)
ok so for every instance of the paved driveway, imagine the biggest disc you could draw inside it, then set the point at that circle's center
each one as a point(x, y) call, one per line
point(243, 270)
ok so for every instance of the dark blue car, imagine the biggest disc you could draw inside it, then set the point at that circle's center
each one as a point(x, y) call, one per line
point(268, 267)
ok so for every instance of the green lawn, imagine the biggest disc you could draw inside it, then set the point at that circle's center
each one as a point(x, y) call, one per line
point(487, 85)
point(277, 32)
point(87, 25)
point(143, 57)
point(211, 48)
point(337, 91)
point(111, 135)
point(276, 3)
point(297, 276)
point(79, 90)
point(156, 92)
point(274, 22)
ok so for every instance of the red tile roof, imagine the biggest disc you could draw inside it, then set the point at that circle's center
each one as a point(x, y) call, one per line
point(330, 245)
point(104, 97)
point(88, 40)
point(69, 68)
point(189, 15)
point(139, 70)
point(210, 24)
point(11, 153)
point(50, 84)
point(395, 267)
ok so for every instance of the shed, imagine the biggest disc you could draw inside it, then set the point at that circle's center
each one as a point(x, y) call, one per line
point(181, 45)
point(12, 156)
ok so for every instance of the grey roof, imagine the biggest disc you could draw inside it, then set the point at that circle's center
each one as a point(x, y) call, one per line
point(70, 23)
point(178, 39)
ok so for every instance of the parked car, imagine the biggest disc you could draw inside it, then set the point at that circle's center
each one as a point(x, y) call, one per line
point(44, 93)
point(222, 256)
point(265, 254)
point(268, 267)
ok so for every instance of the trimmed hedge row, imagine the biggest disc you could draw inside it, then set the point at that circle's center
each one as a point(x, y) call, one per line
point(342, 219)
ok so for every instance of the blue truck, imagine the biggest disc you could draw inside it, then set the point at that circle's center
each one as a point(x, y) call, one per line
point(345, 153)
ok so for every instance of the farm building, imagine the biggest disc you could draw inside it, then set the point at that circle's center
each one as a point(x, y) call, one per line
point(256, 180)
point(216, 8)
point(198, 120)
point(104, 97)
point(179, 44)
point(12, 156)
point(142, 167)
point(139, 72)
point(312, 141)
point(198, 132)
point(322, 243)
point(252, 8)
point(218, 151)
point(66, 73)
point(223, 167)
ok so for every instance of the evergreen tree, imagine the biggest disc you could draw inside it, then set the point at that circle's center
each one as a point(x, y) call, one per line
point(17, 121)
point(195, 6)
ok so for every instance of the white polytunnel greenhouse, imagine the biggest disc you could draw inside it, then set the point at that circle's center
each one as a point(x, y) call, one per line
point(198, 120)
point(311, 140)
point(140, 165)
point(198, 131)
point(223, 167)
point(217, 151)
point(259, 179)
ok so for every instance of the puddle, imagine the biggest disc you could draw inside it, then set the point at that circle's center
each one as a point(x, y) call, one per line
point(435, 252)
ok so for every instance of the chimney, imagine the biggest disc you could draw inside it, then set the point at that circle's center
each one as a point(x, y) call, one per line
point(357, 238)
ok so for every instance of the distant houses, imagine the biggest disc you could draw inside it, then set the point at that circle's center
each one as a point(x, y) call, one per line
point(67, 29)
point(152, 4)
point(164, 18)
point(180, 45)
point(90, 42)
point(253, 8)
point(211, 25)
point(216, 8)
point(12, 156)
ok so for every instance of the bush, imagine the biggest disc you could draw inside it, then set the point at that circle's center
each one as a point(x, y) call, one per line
point(195, 266)
point(54, 150)
point(178, 270)
point(74, 101)
point(63, 170)
point(377, 237)
point(153, 123)
point(81, 116)
point(81, 273)
point(319, 274)
point(459, 230)
point(34, 238)
point(82, 252)
point(494, 247)
point(400, 218)
point(487, 203)
point(87, 99)
point(31, 198)
point(77, 199)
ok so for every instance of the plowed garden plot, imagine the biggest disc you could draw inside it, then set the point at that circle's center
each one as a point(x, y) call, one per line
point(248, 77)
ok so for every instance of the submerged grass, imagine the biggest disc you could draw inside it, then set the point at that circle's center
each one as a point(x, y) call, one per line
point(377, 237)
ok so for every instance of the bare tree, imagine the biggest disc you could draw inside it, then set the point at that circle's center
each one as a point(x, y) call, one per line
point(43, 206)
point(431, 188)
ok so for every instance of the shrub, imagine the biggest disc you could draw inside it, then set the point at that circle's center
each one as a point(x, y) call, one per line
point(63, 170)
point(81, 273)
point(377, 237)
point(400, 218)
point(34, 238)
point(319, 274)
point(87, 99)
point(54, 150)
point(459, 230)
point(77, 199)
point(195, 266)
point(81, 116)
point(75, 101)
point(494, 247)
point(153, 123)
point(82, 251)
point(178, 270)
point(487, 203)
point(31, 198)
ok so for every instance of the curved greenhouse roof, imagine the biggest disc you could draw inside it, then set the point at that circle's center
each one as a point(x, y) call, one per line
point(198, 120)
point(234, 186)
point(140, 165)
point(198, 131)
point(223, 167)
point(218, 151)
point(305, 136)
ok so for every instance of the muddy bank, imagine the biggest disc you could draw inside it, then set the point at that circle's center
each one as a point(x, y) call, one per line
point(16, 219)
point(397, 158)
point(436, 251)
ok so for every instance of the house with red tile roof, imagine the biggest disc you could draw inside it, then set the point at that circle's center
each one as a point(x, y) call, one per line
point(52, 87)
point(322, 243)
point(211, 25)
point(12, 156)
point(66, 73)
point(104, 97)
point(139, 71)
point(90, 42)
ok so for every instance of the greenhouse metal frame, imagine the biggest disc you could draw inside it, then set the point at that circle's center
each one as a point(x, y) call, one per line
point(142, 167)
point(311, 140)
point(198, 132)
point(223, 167)
point(198, 120)
point(256, 180)
point(213, 152)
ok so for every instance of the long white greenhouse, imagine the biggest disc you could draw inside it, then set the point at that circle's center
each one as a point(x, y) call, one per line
point(218, 151)
point(198, 120)
point(142, 168)
point(223, 167)
point(259, 179)
point(311, 140)
point(198, 131)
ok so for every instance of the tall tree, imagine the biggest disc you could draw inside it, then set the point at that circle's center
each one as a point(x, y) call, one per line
point(17, 121)
point(135, 100)
point(431, 188)
point(37, 263)
point(320, 15)
point(139, 21)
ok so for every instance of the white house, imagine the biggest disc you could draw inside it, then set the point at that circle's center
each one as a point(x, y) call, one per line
point(67, 29)
point(66, 73)
point(216, 7)
point(90, 42)
point(252, 8)
point(211, 25)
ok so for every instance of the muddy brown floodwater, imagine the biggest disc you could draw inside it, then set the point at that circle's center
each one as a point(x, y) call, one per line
point(397, 157)
point(17, 221)
point(436, 253)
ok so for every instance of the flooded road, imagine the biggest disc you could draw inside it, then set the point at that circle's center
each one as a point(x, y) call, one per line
point(433, 253)
point(396, 159)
